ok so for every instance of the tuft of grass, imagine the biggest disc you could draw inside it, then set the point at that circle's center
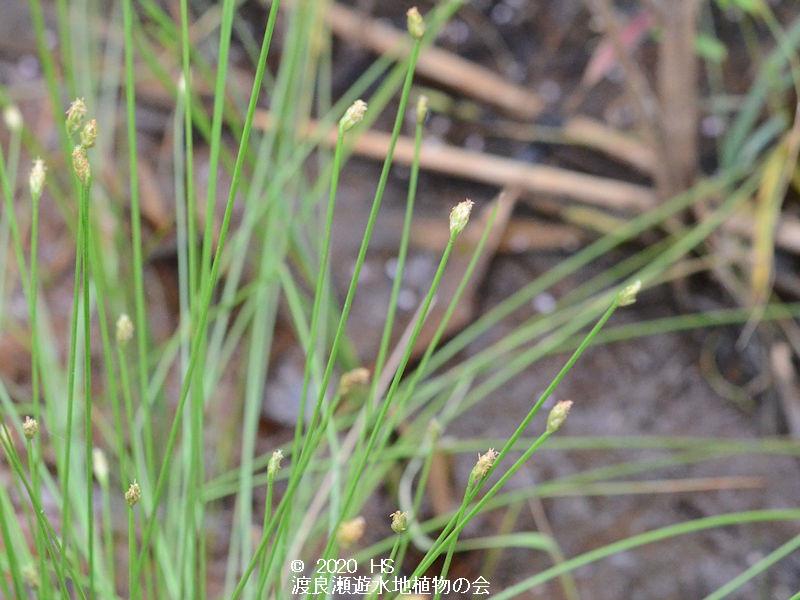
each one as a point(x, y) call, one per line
point(138, 418)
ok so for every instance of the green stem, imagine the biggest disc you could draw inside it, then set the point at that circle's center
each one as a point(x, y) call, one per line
point(8, 542)
point(402, 253)
point(376, 203)
point(46, 56)
point(375, 592)
point(71, 377)
point(571, 264)
point(417, 501)
point(216, 133)
point(451, 544)
point(322, 277)
point(296, 474)
point(128, 468)
point(459, 524)
point(262, 576)
point(133, 569)
point(35, 387)
point(136, 236)
point(415, 377)
point(108, 533)
point(365, 456)
point(206, 298)
point(756, 569)
point(87, 376)
point(53, 547)
point(401, 261)
point(649, 537)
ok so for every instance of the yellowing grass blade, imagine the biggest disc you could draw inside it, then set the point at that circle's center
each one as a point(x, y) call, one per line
point(769, 199)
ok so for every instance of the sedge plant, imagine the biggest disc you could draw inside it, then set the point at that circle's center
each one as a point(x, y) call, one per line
point(158, 469)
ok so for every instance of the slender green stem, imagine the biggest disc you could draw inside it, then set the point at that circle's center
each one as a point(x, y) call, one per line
point(216, 133)
point(206, 297)
point(402, 252)
point(53, 547)
point(32, 305)
point(127, 396)
point(756, 569)
point(262, 576)
point(322, 278)
point(34, 449)
point(295, 477)
point(186, 96)
point(87, 377)
point(195, 513)
point(29, 283)
point(571, 264)
point(365, 456)
point(416, 376)
point(134, 582)
point(40, 538)
point(8, 542)
point(8, 195)
point(376, 591)
point(451, 544)
point(337, 340)
point(137, 264)
point(108, 533)
point(71, 377)
point(664, 533)
point(65, 37)
point(185, 209)
point(46, 56)
point(421, 485)
point(459, 524)
point(188, 261)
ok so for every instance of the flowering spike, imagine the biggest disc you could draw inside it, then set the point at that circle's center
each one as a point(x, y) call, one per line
point(628, 295)
point(399, 521)
point(12, 117)
point(31, 576)
point(422, 109)
point(274, 463)
point(100, 465)
point(481, 468)
point(353, 115)
point(133, 495)
point(76, 113)
point(37, 177)
point(352, 380)
point(124, 329)
point(30, 428)
point(80, 164)
point(558, 415)
point(459, 216)
point(350, 531)
point(416, 26)
point(89, 134)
